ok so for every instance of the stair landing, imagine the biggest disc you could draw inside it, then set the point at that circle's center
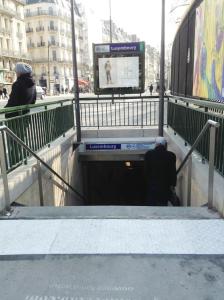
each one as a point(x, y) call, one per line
point(143, 253)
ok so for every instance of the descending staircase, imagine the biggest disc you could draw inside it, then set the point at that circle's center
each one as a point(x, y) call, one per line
point(84, 253)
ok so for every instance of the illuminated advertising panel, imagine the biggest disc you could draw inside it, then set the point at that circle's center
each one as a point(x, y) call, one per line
point(119, 68)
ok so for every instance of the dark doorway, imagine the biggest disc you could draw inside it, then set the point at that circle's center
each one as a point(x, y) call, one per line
point(114, 183)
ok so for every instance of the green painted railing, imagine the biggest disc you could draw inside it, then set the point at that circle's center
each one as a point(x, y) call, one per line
point(187, 118)
point(37, 129)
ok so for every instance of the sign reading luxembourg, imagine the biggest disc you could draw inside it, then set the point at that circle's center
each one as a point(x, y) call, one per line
point(123, 147)
point(119, 68)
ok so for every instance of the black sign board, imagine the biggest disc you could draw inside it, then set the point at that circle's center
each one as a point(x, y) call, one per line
point(119, 68)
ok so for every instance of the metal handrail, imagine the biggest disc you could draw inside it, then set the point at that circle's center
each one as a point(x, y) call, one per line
point(197, 102)
point(37, 105)
point(4, 172)
point(213, 126)
point(208, 124)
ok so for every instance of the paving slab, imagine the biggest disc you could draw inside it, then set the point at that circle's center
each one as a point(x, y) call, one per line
point(112, 277)
point(111, 236)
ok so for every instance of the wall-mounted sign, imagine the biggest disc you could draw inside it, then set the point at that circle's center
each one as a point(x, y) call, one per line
point(122, 147)
point(119, 68)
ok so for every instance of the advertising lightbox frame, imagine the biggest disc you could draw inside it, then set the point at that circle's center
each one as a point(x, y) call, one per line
point(109, 56)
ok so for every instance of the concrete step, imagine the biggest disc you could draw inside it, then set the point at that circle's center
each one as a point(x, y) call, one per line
point(108, 253)
point(112, 277)
point(112, 212)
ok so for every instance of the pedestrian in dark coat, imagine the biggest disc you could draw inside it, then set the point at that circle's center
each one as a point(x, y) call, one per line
point(160, 174)
point(4, 91)
point(151, 89)
point(23, 89)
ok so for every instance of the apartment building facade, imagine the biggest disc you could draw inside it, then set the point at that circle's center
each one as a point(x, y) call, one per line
point(152, 66)
point(152, 59)
point(13, 46)
point(49, 42)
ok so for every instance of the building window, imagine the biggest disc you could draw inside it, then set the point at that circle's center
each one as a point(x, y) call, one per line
point(18, 27)
point(50, 10)
point(52, 40)
point(43, 70)
point(10, 66)
point(54, 55)
point(51, 24)
point(6, 24)
point(55, 70)
point(7, 44)
point(20, 47)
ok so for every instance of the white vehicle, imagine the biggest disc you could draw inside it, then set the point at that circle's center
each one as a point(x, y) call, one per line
point(40, 92)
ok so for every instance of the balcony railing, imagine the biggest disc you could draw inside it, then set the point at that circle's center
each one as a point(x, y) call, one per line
point(29, 29)
point(19, 35)
point(69, 33)
point(41, 44)
point(47, 13)
point(7, 10)
point(5, 31)
point(56, 59)
point(21, 2)
point(7, 53)
point(31, 45)
point(54, 43)
point(52, 28)
point(39, 28)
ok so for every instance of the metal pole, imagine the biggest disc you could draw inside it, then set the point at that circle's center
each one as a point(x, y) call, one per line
point(4, 173)
point(211, 166)
point(41, 195)
point(75, 74)
point(189, 172)
point(49, 88)
point(110, 22)
point(162, 63)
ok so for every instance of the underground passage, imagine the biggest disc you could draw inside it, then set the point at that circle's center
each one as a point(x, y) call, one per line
point(114, 183)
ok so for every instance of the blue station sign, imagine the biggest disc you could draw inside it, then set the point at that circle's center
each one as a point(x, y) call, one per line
point(123, 147)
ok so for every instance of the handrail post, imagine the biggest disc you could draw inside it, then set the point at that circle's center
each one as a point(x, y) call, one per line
point(189, 172)
point(97, 107)
point(4, 173)
point(142, 112)
point(211, 166)
point(40, 183)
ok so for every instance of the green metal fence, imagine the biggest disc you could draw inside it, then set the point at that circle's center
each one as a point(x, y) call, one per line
point(107, 112)
point(39, 128)
point(187, 118)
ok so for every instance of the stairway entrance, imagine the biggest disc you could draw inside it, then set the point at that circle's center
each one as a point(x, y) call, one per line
point(114, 182)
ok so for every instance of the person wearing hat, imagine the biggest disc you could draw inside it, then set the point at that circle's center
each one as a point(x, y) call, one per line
point(23, 89)
point(160, 173)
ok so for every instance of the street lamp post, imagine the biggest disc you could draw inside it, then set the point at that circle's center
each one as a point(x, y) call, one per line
point(162, 64)
point(75, 75)
point(48, 60)
point(110, 22)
